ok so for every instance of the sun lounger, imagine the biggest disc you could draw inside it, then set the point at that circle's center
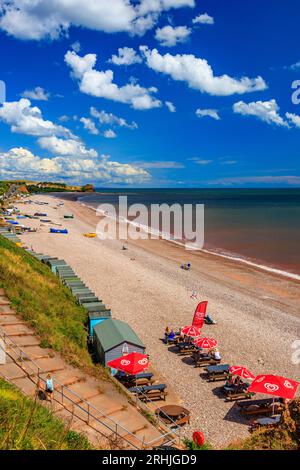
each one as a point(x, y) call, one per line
point(150, 392)
point(263, 406)
point(218, 372)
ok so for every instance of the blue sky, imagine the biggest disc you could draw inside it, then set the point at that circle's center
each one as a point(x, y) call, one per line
point(225, 70)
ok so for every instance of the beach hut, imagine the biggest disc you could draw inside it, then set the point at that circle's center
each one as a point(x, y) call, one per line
point(112, 338)
point(97, 317)
point(53, 263)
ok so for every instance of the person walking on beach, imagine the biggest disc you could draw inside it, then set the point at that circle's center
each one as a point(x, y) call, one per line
point(49, 388)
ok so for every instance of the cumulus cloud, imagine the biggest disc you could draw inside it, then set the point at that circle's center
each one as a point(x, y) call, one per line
point(198, 74)
point(171, 107)
point(22, 163)
point(203, 19)
point(38, 94)
point(66, 147)
point(100, 83)
point(109, 134)
point(89, 125)
point(293, 118)
point(266, 111)
point(109, 118)
point(126, 56)
point(213, 113)
point(169, 36)
point(37, 19)
point(26, 119)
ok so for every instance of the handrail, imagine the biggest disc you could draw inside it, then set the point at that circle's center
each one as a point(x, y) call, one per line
point(23, 354)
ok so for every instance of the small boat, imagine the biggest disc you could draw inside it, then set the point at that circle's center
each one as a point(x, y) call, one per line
point(90, 235)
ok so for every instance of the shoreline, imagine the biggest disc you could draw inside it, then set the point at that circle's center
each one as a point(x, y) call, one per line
point(257, 312)
point(217, 252)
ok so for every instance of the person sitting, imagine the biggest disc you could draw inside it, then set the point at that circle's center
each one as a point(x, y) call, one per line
point(171, 335)
point(208, 320)
point(167, 332)
point(215, 354)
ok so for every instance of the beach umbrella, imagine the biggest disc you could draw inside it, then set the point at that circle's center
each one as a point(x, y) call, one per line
point(241, 372)
point(132, 363)
point(274, 385)
point(191, 330)
point(206, 343)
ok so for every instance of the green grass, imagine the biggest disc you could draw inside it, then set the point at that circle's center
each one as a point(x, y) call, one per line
point(27, 425)
point(49, 307)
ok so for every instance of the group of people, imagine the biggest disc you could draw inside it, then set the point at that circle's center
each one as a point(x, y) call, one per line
point(236, 383)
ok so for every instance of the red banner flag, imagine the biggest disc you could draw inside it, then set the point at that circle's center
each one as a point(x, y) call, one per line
point(199, 314)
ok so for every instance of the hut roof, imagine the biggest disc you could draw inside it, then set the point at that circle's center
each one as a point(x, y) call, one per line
point(111, 333)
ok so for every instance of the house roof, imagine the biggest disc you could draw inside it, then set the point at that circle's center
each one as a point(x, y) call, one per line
point(111, 333)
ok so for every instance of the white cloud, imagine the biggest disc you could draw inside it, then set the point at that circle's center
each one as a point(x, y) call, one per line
point(201, 161)
point(213, 113)
point(293, 118)
point(295, 66)
point(109, 134)
point(38, 94)
point(171, 107)
point(266, 111)
point(126, 56)
point(22, 163)
point(109, 118)
point(203, 19)
point(66, 147)
point(89, 125)
point(25, 119)
point(100, 83)
point(37, 19)
point(169, 36)
point(76, 46)
point(160, 165)
point(198, 74)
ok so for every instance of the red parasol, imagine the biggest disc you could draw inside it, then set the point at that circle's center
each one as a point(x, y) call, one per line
point(274, 385)
point(191, 330)
point(132, 364)
point(241, 372)
point(206, 343)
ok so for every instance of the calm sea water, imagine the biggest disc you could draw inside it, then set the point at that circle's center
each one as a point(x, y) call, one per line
point(258, 225)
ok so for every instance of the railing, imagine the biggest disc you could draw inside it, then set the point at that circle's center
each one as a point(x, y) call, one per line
point(64, 395)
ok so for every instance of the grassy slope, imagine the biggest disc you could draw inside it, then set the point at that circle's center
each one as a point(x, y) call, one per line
point(26, 425)
point(46, 304)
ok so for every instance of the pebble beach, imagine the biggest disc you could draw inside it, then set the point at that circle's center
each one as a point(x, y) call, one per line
point(257, 312)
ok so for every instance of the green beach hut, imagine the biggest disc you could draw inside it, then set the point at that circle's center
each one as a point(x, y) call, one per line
point(112, 337)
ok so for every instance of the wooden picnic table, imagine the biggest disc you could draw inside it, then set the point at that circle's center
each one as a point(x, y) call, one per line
point(217, 372)
point(174, 414)
point(263, 406)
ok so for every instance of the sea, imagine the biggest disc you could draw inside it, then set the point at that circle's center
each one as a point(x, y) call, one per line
point(256, 226)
